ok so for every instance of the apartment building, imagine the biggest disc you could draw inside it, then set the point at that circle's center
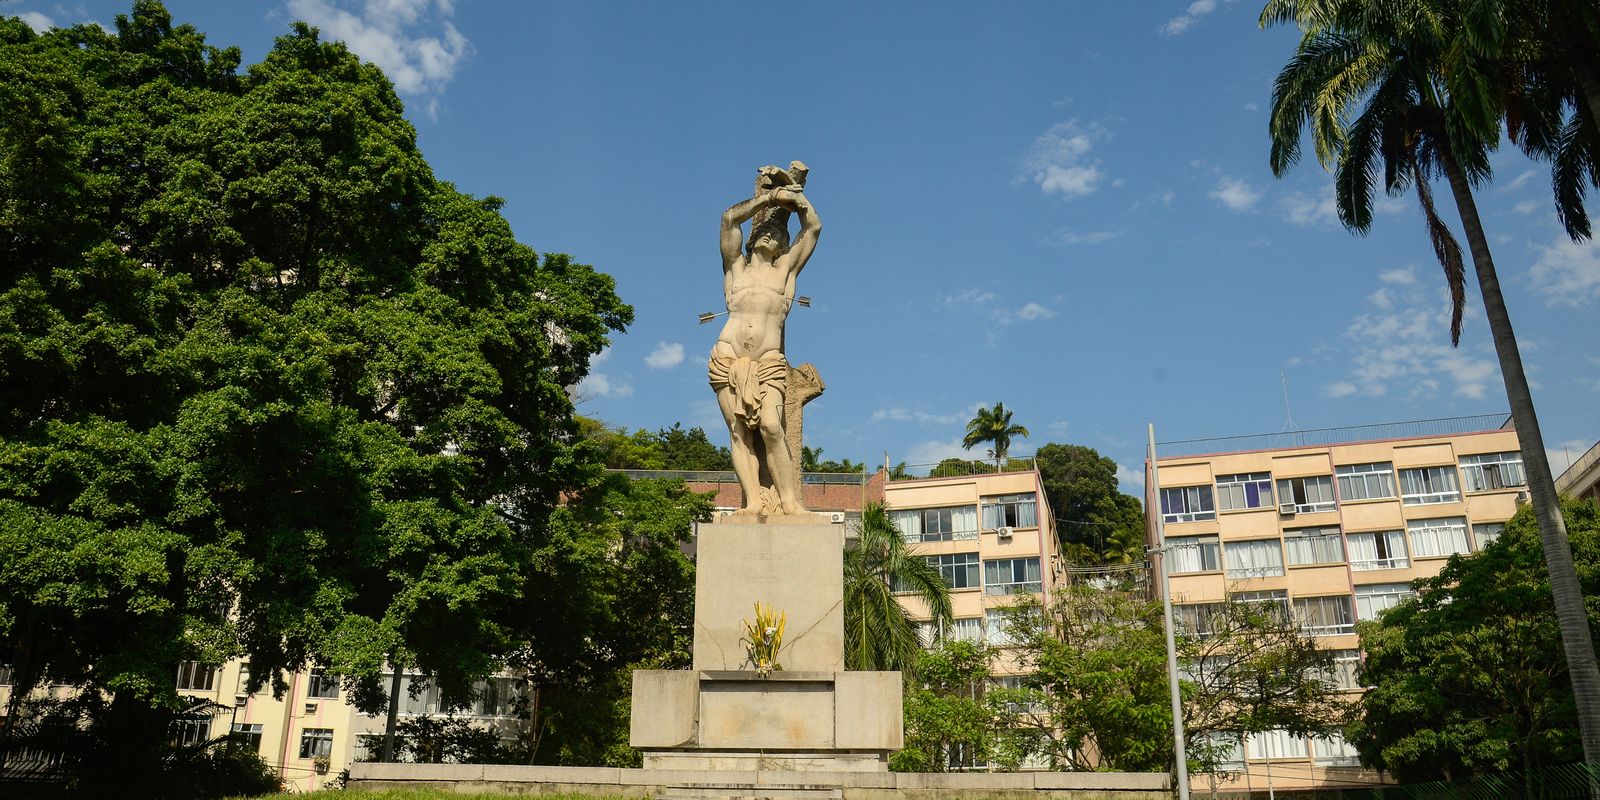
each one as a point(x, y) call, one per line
point(1581, 480)
point(993, 538)
point(1335, 524)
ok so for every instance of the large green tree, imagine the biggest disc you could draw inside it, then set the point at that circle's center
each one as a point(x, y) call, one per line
point(1094, 665)
point(1469, 676)
point(268, 388)
point(623, 589)
point(993, 426)
point(948, 724)
point(1390, 92)
point(1095, 520)
point(880, 633)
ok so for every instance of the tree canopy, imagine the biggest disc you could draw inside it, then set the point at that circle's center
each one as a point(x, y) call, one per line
point(1470, 676)
point(1095, 520)
point(268, 387)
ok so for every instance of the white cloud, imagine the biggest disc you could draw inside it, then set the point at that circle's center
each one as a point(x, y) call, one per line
point(1567, 273)
point(1189, 17)
point(934, 451)
point(1065, 237)
point(1127, 476)
point(1059, 161)
point(1519, 181)
point(1304, 209)
point(413, 41)
point(969, 297)
point(1235, 193)
point(666, 356)
point(1167, 197)
point(1525, 207)
point(1400, 276)
point(601, 385)
point(902, 414)
point(1251, 107)
point(1401, 345)
point(37, 21)
point(1033, 311)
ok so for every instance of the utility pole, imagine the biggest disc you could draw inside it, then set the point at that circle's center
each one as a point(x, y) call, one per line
point(1179, 755)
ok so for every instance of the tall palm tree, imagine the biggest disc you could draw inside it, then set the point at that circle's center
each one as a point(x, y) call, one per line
point(1385, 65)
point(879, 634)
point(993, 425)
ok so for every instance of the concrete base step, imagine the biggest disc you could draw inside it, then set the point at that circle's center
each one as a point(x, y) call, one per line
point(746, 792)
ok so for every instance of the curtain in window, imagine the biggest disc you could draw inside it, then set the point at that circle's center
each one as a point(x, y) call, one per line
point(1317, 546)
point(1255, 559)
point(1438, 537)
point(1374, 599)
point(909, 523)
point(1275, 744)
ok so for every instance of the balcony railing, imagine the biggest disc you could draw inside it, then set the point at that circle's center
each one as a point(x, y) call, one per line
point(1318, 437)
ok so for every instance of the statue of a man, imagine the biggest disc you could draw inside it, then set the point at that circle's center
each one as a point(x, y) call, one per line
point(748, 368)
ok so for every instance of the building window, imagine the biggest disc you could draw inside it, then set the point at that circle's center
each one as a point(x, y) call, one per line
point(1429, 485)
point(1187, 504)
point(1245, 490)
point(496, 697)
point(1346, 665)
point(5, 674)
point(194, 676)
point(1375, 598)
point(1194, 554)
point(1011, 576)
point(965, 629)
point(995, 631)
point(1278, 596)
point(1366, 481)
point(1313, 546)
point(1228, 749)
point(192, 732)
point(1196, 619)
point(1274, 744)
point(937, 524)
point(927, 633)
point(1261, 558)
point(316, 742)
point(1486, 532)
point(1011, 511)
point(1438, 537)
point(959, 570)
point(1325, 616)
point(1334, 751)
point(247, 734)
point(322, 684)
point(1306, 495)
point(1493, 471)
point(1377, 550)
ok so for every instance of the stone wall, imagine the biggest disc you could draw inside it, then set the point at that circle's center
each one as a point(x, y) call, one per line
point(642, 783)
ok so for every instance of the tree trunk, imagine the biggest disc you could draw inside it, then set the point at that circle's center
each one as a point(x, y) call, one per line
point(1568, 595)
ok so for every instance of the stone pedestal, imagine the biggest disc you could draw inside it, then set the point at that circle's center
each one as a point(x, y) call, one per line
point(810, 715)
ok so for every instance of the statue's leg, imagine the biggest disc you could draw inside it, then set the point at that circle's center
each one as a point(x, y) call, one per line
point(780, 461)
point(745, 466)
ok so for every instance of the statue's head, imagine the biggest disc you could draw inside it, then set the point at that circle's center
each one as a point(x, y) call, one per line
point(769, 235)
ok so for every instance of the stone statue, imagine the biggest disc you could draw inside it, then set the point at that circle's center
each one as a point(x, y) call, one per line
point(749, 370)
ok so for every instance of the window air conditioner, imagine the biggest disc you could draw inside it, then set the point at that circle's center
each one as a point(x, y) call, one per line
point(311, 707)
point(1286, 509)
point(1004, 533)
point(241, 699)
point(836, 518)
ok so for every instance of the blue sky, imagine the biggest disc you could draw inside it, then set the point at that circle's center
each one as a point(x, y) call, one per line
point(1063, 206)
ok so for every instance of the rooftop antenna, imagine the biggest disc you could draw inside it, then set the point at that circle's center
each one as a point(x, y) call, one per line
point(1288, 423)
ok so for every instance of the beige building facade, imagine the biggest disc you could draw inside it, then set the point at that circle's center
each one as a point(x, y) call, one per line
point(1335, 524)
